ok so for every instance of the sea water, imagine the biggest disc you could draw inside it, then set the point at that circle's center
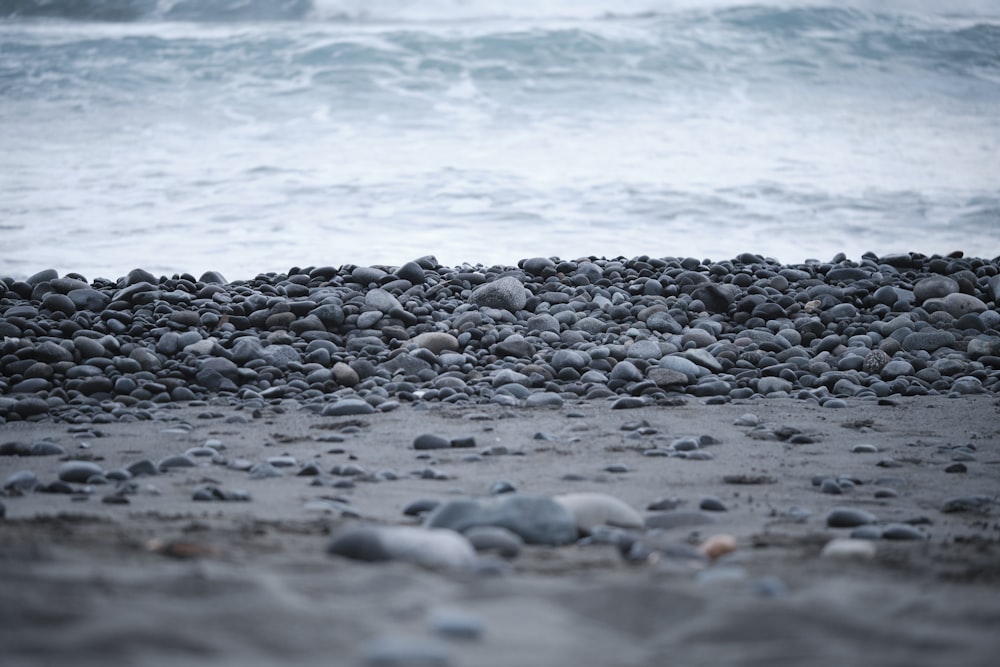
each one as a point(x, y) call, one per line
point(248, 136)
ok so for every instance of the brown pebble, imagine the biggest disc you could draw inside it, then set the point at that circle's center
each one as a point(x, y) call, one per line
point(718, 546)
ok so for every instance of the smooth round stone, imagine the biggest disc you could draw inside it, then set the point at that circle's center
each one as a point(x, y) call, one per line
point(501, 487)
point(428, 547)
point(712, 504)
point(58, 303)
point(628, 403)
point(436, 341)
point(544, 399)
point(22, 480)
point(568, 359)
point(382, 301)
point(864, 449)
point(896, 368)
point(849, 548)
point(847, 517)
point(770, 384)
point(264, 471)
point(683, 365)
point(956, 305)
point(685, 445)
point(176, 461)
point(44, 448)
point(78, 472)
point(934, 287)
point(644, 349)
point(536, 519)
point(405, 652)
point(596, 509)
point(430, 441)
point(506, 293)
point(347, 406)
point(902, 531)
point(830, 486)
point(927, 340)
point(420, 507)
point(503, 542)
point(30, 407)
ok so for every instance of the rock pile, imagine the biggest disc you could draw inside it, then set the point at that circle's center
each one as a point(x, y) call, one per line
point(357, 339)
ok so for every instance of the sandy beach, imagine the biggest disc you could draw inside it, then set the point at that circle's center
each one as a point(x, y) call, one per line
point(158, 578)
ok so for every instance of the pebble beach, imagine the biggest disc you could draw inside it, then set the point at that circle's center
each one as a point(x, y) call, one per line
point(562, 462)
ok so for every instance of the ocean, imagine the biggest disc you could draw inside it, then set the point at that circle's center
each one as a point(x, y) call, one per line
point(248, 136)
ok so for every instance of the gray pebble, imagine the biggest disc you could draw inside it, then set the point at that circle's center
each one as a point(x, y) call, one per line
point(712, 504)
point(176, 461)
point(430, 441)
point(78, 472)
point(846, 517)
point(902, 531)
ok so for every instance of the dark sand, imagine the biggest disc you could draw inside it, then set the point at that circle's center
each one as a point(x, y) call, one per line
point(83, 582)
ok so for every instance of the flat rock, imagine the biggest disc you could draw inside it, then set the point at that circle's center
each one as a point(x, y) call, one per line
point(595, 509)
point(536, 519)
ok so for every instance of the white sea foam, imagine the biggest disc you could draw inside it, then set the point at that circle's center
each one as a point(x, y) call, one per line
point(440, 127)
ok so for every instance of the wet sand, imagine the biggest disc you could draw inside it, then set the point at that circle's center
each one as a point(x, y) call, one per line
point(166, 580)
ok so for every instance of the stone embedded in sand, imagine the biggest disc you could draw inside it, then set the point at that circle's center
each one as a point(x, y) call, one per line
point(175, 461)
point(431, 441)
point(595, 509)
point(849, 548)
point(506, 293)
point(428, 547)
point(79, 472)
point(211, 492)
point(537, 519)
point(420, 507)
point(717, 546)
point(712, 504)
point(22, 480)
point(847, 517)
point(902, 531)
point(142, 468)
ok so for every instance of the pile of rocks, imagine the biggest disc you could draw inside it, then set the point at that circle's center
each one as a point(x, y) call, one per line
point(356, 339)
